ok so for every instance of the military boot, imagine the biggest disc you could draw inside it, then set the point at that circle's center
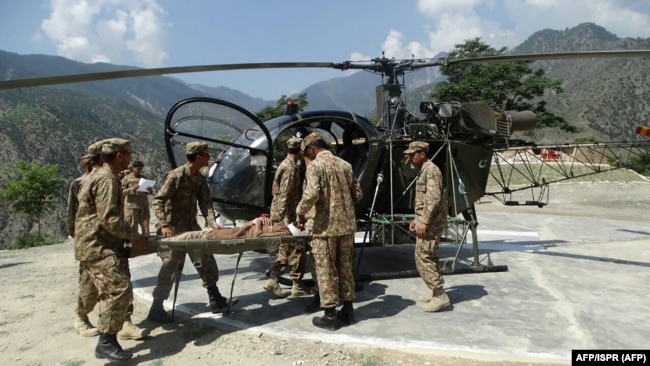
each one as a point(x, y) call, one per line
point(314, 306)
point(131, 331)
point(438, 301)
point(84, 327)
point(157, 312)
point(300, 289)
point(346, 314)
point(425, 298)
point(107, 347)
point(218, 303)
point(273, 287)
point(327, 321)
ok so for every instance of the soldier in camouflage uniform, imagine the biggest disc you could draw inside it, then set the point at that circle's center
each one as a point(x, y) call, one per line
point(73, 202)
point(430, 220)
point(286, 194)
point(100, 233)
point(82, 324)
point(314, 305)
point(88, 295)
point(333, 189)
point(136, 205)
point(175, 207)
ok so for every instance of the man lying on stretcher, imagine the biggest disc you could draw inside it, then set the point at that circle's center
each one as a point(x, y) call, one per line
point(258, 228)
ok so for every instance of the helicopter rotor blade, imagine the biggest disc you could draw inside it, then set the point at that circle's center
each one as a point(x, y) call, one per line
point(375, 65)
point(75, 78)
point(550, 56)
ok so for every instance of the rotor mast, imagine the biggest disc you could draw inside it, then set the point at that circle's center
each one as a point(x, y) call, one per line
point(390, 107)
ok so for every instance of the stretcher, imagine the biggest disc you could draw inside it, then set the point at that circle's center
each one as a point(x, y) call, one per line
point(195, 248)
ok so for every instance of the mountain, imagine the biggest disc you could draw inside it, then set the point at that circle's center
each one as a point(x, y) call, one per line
point(233, 96)
point(603, 97)
point(356, 92)
point(54, 125)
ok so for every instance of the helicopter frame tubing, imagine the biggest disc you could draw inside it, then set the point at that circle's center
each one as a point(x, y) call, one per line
point(534, 167)
point(385, 228)
point(468, 223)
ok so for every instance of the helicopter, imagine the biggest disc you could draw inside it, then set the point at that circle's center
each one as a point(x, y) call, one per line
point(465, 139)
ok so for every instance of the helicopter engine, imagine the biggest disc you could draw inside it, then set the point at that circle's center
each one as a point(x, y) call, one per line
point(476, 122)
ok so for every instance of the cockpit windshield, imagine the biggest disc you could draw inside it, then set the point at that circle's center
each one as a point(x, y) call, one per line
point(240, 173)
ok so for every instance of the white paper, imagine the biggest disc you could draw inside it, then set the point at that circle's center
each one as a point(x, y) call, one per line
point(145, 184)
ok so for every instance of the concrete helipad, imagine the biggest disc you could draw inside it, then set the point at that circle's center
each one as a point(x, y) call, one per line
point(572, 283)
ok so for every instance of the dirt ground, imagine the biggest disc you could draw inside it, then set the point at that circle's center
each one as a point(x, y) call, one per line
point(39, 286)
point(40, 289)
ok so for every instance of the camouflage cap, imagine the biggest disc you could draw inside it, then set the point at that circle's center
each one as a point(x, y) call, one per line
point(416, 146)
point(86, 159)
point(114, 145)
point(196, 147)
point(95, 148)
point(310, 139)
point(294, 143)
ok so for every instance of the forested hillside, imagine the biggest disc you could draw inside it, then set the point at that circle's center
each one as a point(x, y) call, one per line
point(605, 97)
point(54, 125)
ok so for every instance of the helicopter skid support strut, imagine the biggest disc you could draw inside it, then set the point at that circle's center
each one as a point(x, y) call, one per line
point(450, 265)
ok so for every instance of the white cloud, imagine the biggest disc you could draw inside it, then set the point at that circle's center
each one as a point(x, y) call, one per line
point(116, 31)
point(510, 22)
point(148, 42)
point(625, 18)
point(453, 23)
point(434, 8)
point(393, 45)
point(358, 56)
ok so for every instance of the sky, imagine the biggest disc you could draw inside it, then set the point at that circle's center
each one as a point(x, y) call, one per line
point(164, 33)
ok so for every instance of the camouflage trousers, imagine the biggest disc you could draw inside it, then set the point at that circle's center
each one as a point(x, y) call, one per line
point(427, 261)
point(112, 287)
point(333, 262)
point(290, 256)
point(88, 294)
point(208, 271)
point(137, 216)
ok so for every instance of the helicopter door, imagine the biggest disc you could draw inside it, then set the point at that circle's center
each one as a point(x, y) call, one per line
point(240, 147)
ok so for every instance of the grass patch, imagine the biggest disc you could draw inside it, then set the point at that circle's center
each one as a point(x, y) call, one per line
point(34, 240)
point(72, 363)
point(372, 361)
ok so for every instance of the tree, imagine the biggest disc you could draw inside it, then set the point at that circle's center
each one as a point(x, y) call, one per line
point(267, 113)
point(32, 189)
point(506, 86)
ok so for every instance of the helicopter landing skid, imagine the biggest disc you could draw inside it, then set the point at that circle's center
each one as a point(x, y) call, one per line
point(457, 232)
point(455, 266)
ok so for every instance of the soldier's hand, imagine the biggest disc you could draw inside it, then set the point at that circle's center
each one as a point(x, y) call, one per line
point(166, 232)
point(300, 222)
point(150, 190)
point(412, 225)
point(420, 229)
point(140, 243)
point(71, 233)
